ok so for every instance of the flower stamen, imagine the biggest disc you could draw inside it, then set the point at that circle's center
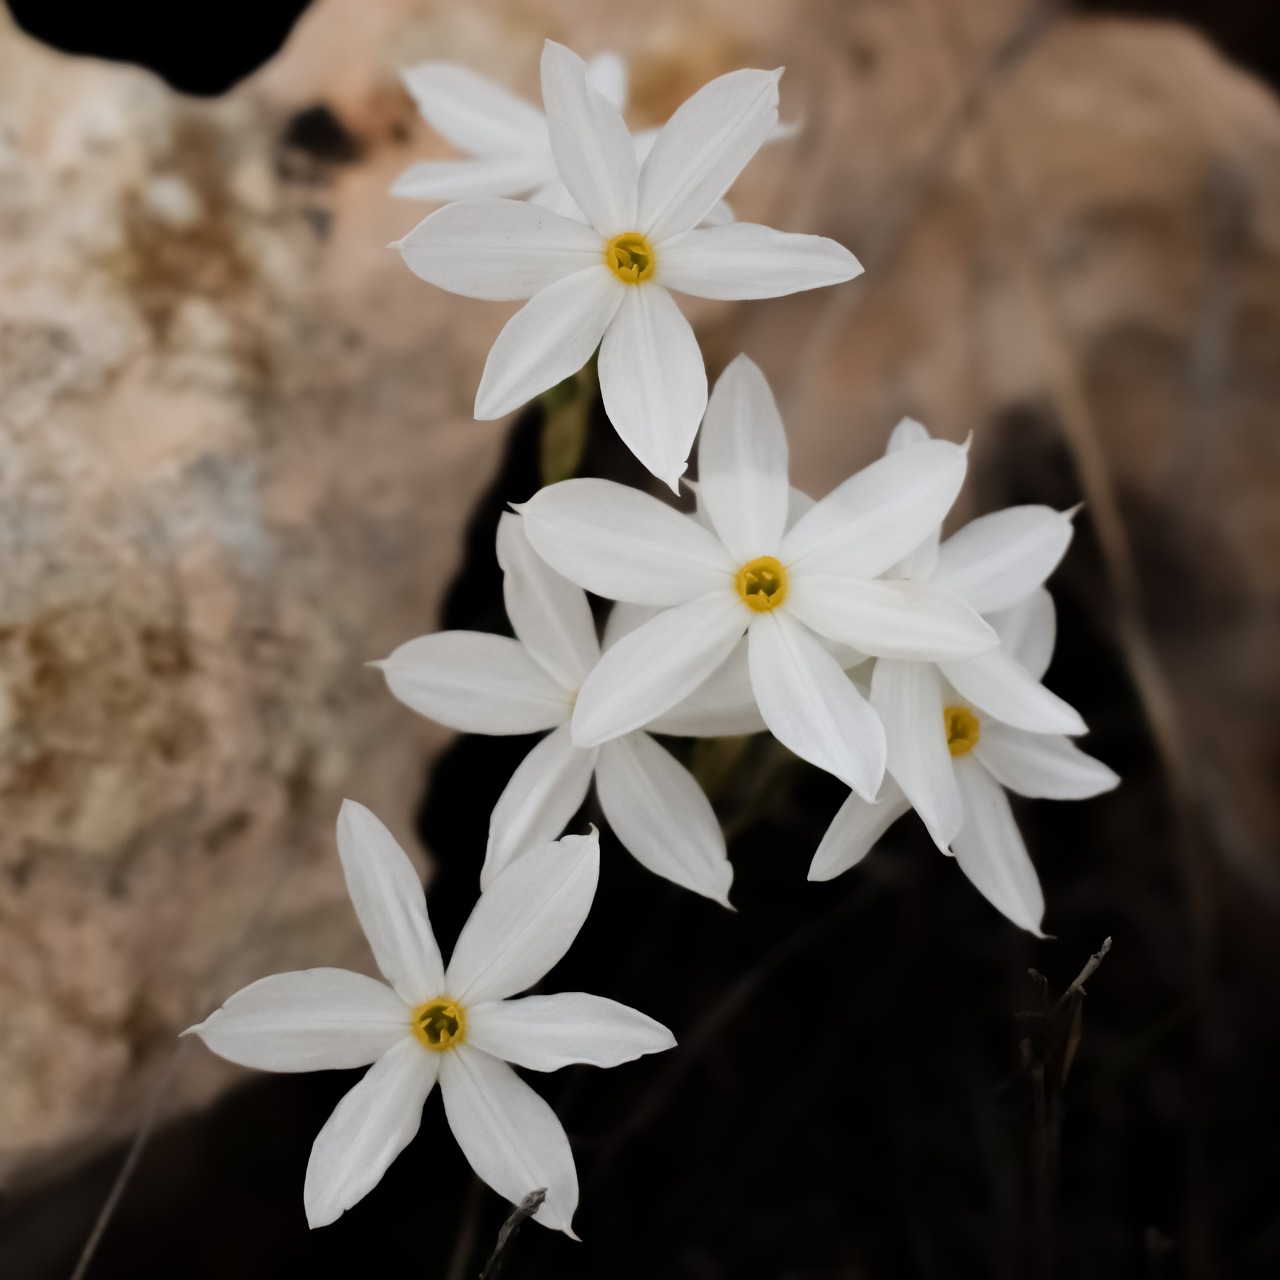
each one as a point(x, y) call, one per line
point(439, 1024)
point(963, 730)
point(762, 583)
point(630, 257)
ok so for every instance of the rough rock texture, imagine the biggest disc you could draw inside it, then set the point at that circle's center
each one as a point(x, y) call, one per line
point(237, 455)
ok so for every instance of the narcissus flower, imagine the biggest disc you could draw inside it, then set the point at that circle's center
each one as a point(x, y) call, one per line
point(427, 1023)
point(491, 684)
point(607, 283)
point(788, 589)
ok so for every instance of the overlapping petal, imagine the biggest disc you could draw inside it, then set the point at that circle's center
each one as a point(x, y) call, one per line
point(854, 830)
point(998, 685)
point(486, 178)
point(723, 705)
point(1042, 765)
point(1029, 631)
point(473, 113)
point(920, 562)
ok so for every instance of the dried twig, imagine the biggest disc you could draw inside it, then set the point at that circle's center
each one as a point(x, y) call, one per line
point(522, 1212)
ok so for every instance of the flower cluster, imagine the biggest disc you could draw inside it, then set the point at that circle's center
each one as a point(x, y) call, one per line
point(907, 666)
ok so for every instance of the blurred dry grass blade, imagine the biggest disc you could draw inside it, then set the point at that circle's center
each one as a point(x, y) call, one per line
point(522, 1213)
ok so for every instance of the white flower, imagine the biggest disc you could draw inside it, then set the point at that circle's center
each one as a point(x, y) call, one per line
point(959, 731)
point(606, 284)
point(785, 587)
point(429, 1023)
point(481, 683)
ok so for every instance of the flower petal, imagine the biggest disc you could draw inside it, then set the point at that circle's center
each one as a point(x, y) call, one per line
point(723, 705)
point(476, 683)
point(908, 698)
point(996, 561)
point(657, 809)
point(1028, 632)
point(1001, 687)
point(920, 562)
point(607, 72)
point(624, 617)
point(388, 898)
point(310, 1020)
point(700, 151)
point(990, 850)
point(545, 1033)
point(500, 178)
point(811, 706)
point(623, 544)
point(510, 1136)
point(590, 141)
point(372, 1125)
point(657, 666)
point(652, 380)
point(550, 614)
point(1045, 766)
point(854, 830)
point(473, 113)
point(745, 260)
point(742, 463)
point(878, 515)
point(549, 338)
point(890, 619)
point(543, 795)
point(525, 920)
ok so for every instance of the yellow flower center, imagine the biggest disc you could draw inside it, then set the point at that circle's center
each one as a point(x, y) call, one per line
point(439, 1024)
point(630, 257)
point(762, 583)
point(962, 730)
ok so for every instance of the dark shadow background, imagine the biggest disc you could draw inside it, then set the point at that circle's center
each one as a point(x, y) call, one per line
point(849, 1097)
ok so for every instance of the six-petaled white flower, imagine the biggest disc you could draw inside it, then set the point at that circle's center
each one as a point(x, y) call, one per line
point(427, 1023)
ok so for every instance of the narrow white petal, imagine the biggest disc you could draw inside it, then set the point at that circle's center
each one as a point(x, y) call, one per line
point(657, 666)
point(744, 260)
point(905, 434)
point(608, 73)
point(500, 178)
point(878, 515)
point(525, 920)
point(723, 705)
point(1001, 687)
point(550, 614)
point(1045, 766)
point(590, 141)
point(996, 561)
point(544, 793)
point(652, 380)
point(720, 214)
point(703, 147)
point(476, 683)
point(510, 1136)
point(919, 563)
point(388, 898)
point(310, 1020)
point(624, 617)
point(854, 830)
point(658, 811)
point(1028, 631)
point(890, 619)
point(742, 463)
point(798, 504)
point(623, 544)
point(545, 1033)
point(811, 706)
point(473, 113)
point(908, 698)
point(372, 1125)
point(549, 338)
point(990, 850)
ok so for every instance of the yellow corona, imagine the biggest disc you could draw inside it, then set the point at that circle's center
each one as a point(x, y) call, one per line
point(962, 730)
point(439, 1025)
point(762, 583)
point(630, 257)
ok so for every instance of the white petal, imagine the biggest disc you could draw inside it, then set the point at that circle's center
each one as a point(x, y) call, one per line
point(908, 698)
point(703, 147)
point(624, 617)
point(720, 214)
point(608, 73)
point(996, 561)
point(525, 920)
point(1001, 687)
point(555, 196)
point(473, 113)
point(990, 850)
point(510, 1136)
point(723, 705)
point(798, 504)
point(1028, 631)
point(658, 811)
point(652, 380)
point(919, 563)
point(623, 544)
point(550, 614)
point(535, 807)
point(878, 515)
point(477, 683)
point(657, 666)
point(591, 144)
point(499, 249)
point(811, 706)
point(388, 898)
point(311, 1020)
point(905, 434)
point(890, 619)
point(855, 829)
point(372, 1125)
point(1042, 765)
point(549, 338)
point(742, 463)
point(545, 1033)
point(744, 260)
point(503, 177)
